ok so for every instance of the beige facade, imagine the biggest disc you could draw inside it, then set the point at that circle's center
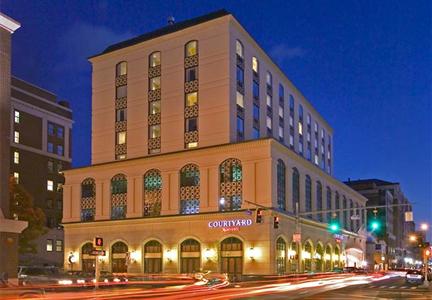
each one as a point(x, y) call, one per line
point(162, 206)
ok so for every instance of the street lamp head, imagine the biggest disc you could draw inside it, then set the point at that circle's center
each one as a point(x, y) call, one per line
point(424, 226)
point(413, 238)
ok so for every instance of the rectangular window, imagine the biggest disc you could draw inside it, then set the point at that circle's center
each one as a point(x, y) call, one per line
point(121, 91)
point(59, 166)
point(281, 112)
point(59, 245)
point(316, 127)
point(291, 102)
point(191, 124)
point(300, 128)
point(154, 131)
point(50, 128)
point(269, 79)
point(49, 245)
point(121, 115)
point(255, 64)
point(50, 166)
point(49, 203)
point(256, 112)
point(291, 140)
point(291, 121)
point(121, 156)
point(191, 99)
point(240, 76)
point(316, 159)
point(60, 150)
point(60, 132)
point(59, 204)
point(154, 83)
point(269, 100)
point(308, 136)
point(192, 145)
point(240, 126)
point(154, 107)
point(300, 147)
point(50, 185)
point(281, 92)
point(16, 116)
point(121, 137)
point(16, 157)
point(16, 177)
point(269, 122)
point(255, 90)
point(255, 133)
point(308, 119)
point(240, 99)
point(300, 111)
point(50, 147)
point(16, 137)
point(155, 59)
point(281, 135)
point(191, 74)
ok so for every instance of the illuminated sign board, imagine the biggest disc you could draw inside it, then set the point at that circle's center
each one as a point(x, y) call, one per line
point(230, 223)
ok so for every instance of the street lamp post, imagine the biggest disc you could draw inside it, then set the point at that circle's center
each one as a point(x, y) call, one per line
point(424, 227)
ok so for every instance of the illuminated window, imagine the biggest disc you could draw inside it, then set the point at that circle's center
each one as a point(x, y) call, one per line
point(59, 245)
point(240, 99)
point(191, 99)
point(16, 116)
point(50, 185)
point(154, 83)
point(255, 64)
point(121, 156)
point(269, 122)
point(155, 59)
point(239, 49)
point(269, 100)
point(121, 68)
point(16, 177)
point(121, 115)
point(154, 131)
point(300, 128)
point(154, 107)
point(192, 145)
point(16, 157)
point(191, 48)
point(16, 137)
point(121, 137)
point(49, 245)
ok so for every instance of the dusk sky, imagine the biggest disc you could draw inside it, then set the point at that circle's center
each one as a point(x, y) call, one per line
point(365, 66)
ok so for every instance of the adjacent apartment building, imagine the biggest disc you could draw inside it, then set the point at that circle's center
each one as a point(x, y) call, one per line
point(41, 134)
point(395, 228)
point(194, 127)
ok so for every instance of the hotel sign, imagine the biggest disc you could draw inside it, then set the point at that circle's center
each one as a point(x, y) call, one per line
point(230, 225)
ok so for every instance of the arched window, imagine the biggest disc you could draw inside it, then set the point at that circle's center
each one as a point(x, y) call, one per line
point(118, 196)
point(328, 258)
point(189, 189)
point(88, 261)
point(336, 259)
point(269, 79)
point(119, 252)
point(191, 48)
point(121, 68)
point(337, 206)
point(230, 185)
point(281, 201)
point(319, 258)
point(190, 256)
point(293, 256)
point(152, 193)
point(255, 65)
point(152, 257)
point(307, 257)
point(329, 204)
point(88, 200)
point(295, 189)
point(281, 256)
point(155, 59)
point(345, 212)
point(308, 195)
point(231, 253)
point(319, 200)
point(351, 213)
point(239, 49)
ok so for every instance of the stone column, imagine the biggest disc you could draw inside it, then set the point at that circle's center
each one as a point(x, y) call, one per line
point(9, 229)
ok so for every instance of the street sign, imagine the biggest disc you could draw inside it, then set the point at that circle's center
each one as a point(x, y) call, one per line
point(98, 253)
point(355, 217)
point(296, 237)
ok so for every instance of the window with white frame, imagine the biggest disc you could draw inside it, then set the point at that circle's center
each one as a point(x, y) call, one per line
point(240, 99)
point(16, 157)
point(16, 137)
point(16, 177)
point(50, 185)
point(269, 122)
point(49, 245)
point(16, 117)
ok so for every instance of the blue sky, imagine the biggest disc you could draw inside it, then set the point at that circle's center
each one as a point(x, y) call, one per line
point(365, 65)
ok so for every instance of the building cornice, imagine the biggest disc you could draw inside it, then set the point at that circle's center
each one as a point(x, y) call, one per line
point(9, 24)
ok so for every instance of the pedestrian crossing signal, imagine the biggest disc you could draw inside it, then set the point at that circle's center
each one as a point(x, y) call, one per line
point(276, 222)
point(98, 242)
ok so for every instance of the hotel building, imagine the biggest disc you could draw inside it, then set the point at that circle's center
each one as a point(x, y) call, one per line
point(194, 127)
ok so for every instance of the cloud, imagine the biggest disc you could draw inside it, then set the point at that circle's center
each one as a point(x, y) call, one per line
point(282, 52)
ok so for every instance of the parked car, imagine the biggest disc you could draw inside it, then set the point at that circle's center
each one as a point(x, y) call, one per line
point(414, 276)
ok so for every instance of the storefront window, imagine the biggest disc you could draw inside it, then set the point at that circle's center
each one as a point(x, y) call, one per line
point(152, 193)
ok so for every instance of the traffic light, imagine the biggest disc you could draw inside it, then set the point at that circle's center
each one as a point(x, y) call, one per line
point(275, 222)
point(259, 215)
point(334, 226)
point(374, 225)
point(98, 243)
